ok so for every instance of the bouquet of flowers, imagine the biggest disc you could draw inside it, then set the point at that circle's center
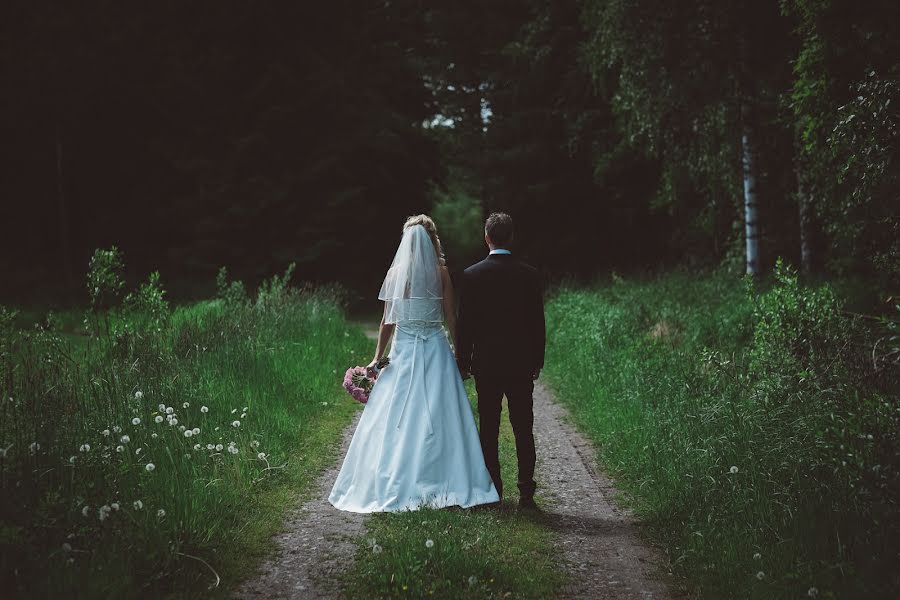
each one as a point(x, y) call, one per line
point(358, 381)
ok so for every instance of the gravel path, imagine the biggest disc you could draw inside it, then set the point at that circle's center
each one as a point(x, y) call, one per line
point(317, 545)
point(601, 550)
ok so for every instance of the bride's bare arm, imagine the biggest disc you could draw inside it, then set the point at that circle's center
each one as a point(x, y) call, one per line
point(385, 331)
point(449, 304)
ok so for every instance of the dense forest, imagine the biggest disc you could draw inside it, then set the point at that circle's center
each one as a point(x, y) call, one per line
point(620, 134)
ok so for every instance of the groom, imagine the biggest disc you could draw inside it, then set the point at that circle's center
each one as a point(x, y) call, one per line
point(500, 341)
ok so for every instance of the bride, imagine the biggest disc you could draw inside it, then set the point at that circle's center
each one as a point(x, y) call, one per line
point(416, 443)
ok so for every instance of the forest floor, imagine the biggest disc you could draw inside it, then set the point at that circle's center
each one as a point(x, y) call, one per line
point(595, 543)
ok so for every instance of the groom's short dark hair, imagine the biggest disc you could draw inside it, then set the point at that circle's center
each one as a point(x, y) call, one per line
point(499, 227)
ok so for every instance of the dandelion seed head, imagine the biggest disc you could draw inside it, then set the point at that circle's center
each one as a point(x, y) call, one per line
point(150, 467)
point(138, 395)
point(84, 448)
point(197, 446)
point(161, 513)
point(158, 418)
point(120, 449)
point(429, 543)
point(235, 424)
point(105, 433)
point(117, 429)
point(114, 505)
point(733, 470)
point(376, 549)
point(154, 435)
point(204, 409)
point(188, 433)
point(186, 405)
point(812, 592)
point(757, 556)
point(125, 439)
point(219, 447)
point(472, 580)
point(196, 430)
point(162, 408)
point(169, 410)
point(138, 505)
point(261, 456)
point(760, 575)
point(135, 421)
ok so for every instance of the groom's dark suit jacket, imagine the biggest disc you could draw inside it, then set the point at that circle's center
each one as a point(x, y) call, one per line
point(500, 328)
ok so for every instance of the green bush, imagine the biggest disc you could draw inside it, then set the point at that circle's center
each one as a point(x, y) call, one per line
point(137, 453)
point(748, 428)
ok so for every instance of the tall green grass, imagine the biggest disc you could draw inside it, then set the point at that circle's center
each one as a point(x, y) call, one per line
point(750, 428)
point(156, 450)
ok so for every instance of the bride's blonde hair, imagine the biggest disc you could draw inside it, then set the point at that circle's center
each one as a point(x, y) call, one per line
point(428, 223)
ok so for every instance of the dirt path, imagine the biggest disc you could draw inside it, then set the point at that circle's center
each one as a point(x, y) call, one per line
point(317, 545)
point(598, 543)
point(602, 552)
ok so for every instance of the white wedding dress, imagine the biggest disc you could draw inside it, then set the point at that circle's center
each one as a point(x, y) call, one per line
point(416, 443)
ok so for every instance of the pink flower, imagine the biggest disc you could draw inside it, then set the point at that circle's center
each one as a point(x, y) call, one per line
point(358, 384)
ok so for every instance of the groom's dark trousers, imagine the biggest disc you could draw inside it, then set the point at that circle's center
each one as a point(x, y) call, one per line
point(500, 340)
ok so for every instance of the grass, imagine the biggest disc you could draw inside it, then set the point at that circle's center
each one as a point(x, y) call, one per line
point(476, 553)
point(257, 376)
point(749, 430)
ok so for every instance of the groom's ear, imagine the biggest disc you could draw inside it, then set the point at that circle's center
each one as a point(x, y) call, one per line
point(487, 240)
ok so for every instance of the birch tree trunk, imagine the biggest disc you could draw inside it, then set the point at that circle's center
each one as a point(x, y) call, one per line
point(751, 212)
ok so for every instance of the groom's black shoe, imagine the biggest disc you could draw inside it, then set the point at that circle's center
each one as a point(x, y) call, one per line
point(528, 503)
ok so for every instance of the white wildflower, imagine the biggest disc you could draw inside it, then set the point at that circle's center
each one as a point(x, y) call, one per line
point(760, 575)
point(160, 513)
point(197, 446)
point(125, 439)
point(204, 409)
point(235, 424)
point(116, 429)
point(86, 510)
point(246, 408)
point(219, 447)
point(210, 446)
point(138, 505)
point(138, 395)
point(376, 549)
point(188, 433)
point(120, 449)
point(34, 447)
point(154, 436)
point(84, 448)
point(261, 456)
point(254, 444)
point(233, 410)
point(114, 505)
point(103, 512)
point(733, 470)
point(135, 421)
point(429, 543)
point(233, 449)
point(472, 580)
point(183, 428)
point(196, 430)
point(169, 410)
point(105, 433)
point(243, 415)
point(812, 592)
point(138, 451)
point(185, 405)
point(158, 418)
point(757, 556)
point(173, 421)
point(150, 466)
point(162, 408)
